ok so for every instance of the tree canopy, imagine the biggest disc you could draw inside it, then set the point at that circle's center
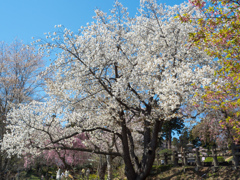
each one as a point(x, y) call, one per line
point(117, 81)
point(218, 33)
point(20, 65)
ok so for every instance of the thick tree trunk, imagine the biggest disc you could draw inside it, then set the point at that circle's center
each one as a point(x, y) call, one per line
point(129, 167)
point(143, 170)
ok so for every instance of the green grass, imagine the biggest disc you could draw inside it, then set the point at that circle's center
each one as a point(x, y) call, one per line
point(210, 159)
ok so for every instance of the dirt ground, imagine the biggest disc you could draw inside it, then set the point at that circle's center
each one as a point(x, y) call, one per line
point(189, 173)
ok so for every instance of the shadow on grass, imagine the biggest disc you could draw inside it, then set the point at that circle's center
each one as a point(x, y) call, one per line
point(185, 173)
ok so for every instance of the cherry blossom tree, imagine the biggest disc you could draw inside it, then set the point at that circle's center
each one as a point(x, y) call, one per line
point(62, 158)
point(19, 67)
point(117, 81)
point(210, 131)
point(217, 32)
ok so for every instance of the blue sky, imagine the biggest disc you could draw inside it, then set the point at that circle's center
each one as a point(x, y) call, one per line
point(24, 19)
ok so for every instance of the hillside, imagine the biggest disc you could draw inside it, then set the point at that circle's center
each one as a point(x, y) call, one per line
point(178, 173)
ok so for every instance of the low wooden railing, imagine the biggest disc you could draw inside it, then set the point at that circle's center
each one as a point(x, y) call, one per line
point(197, 156)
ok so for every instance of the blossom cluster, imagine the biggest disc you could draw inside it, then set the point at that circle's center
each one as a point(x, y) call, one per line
point(117, 74)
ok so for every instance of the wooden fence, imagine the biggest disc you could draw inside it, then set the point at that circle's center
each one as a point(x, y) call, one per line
point(194, 157)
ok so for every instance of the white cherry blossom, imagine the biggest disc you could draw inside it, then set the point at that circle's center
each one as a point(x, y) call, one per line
point(117, 80)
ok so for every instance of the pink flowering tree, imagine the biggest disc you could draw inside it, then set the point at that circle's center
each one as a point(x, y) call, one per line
point(61, 157)
point(217, 33)
point(210, 131)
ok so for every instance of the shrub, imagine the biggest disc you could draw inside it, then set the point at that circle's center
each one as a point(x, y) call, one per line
point(210, 159)
point(169, 151)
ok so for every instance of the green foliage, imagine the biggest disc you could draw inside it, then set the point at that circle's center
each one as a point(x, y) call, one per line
point(186, 137)
point(175, 125)
point(211, 174)
point(220, 159)
point(169, 151)
point(219, 35)
point(210, 159)
point(93, 176)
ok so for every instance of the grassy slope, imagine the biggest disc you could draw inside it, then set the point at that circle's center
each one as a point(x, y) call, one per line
point(177, 173)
